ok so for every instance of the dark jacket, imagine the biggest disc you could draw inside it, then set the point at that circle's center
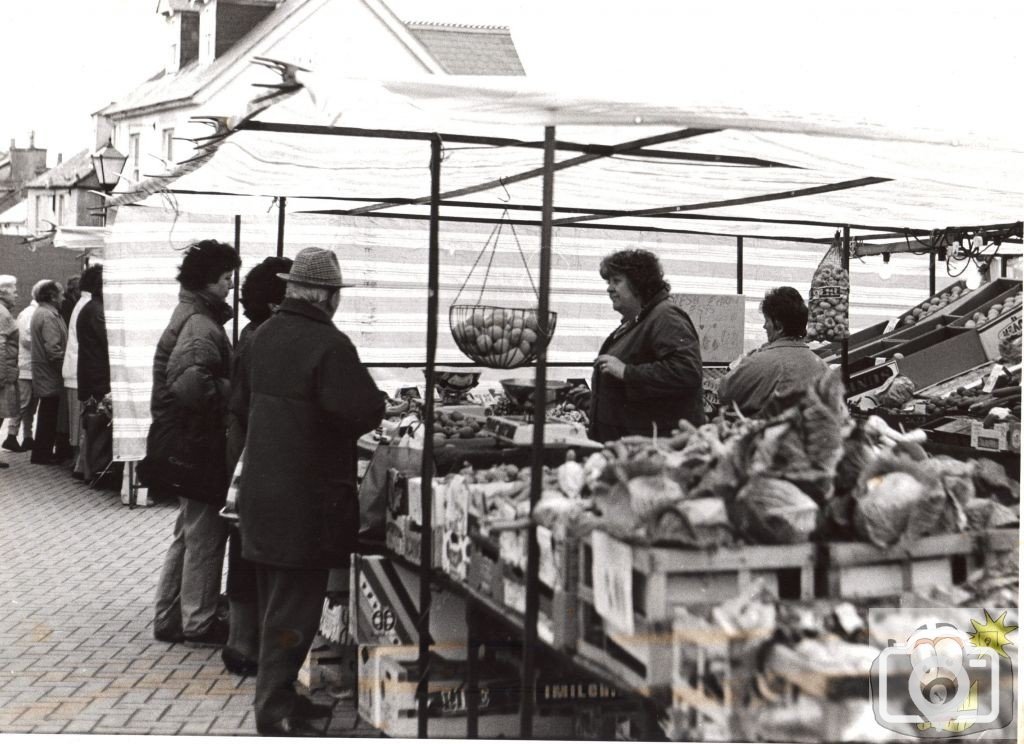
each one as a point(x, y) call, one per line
point(191, 371)
point(49, 340)
point(310, 400)
point(93, 354)
point(664, 378)
point(238, 402)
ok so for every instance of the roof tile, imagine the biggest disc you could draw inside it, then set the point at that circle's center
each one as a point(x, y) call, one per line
point(469, 50)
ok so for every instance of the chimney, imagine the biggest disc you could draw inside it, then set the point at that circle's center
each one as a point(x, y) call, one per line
point(32, 140)
point(60, 158)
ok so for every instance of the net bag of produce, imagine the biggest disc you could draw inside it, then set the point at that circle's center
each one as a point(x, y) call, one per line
point(769, 511)
point(828, 305)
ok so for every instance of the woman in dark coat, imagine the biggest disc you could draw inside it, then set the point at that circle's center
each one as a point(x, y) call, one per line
point(191, 383)
point(262, 292)
point(49, 340)
point(648, 372)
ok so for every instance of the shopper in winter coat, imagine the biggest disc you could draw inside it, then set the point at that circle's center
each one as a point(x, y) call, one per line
point(784, 364)
point(26, 397)
point(191, 370)
point(93, 354)
point(310, 400)
point(262, 293)
point(70, 374)
point(648, 371)
point(9, 404)
point(49, 340)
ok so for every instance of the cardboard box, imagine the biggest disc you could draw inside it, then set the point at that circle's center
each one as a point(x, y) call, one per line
point(1001, 437)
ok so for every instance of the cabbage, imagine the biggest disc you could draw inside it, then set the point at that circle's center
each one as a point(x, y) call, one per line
point(773, 512)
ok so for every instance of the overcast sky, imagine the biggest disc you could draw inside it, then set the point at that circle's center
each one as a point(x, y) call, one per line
point(60, 60)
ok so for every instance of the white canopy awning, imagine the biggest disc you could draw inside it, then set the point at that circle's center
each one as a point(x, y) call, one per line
point(762, 162)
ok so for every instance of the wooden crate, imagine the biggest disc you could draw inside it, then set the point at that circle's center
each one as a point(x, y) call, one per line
point(713, 675)
point(642, 660)
point(664, 578)
point(499, 699)
point(864, 571)
point(998, 549)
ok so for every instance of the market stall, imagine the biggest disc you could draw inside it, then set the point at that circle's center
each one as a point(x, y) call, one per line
point(730, 526)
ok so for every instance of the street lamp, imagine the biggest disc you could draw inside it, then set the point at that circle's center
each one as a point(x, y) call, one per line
point(108, 164)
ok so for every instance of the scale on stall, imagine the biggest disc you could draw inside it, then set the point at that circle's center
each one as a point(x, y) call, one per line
point(517, 428)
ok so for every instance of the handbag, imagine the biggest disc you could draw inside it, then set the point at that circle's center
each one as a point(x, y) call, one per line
point(185, 458)
point(97, 440)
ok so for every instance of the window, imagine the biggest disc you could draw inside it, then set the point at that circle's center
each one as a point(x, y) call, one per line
point(133, 156)
point(40, 211)
point(61, 204)
point(168, 147)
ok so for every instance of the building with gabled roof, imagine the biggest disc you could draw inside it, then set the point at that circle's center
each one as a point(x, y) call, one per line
point(212, 43)
point(64, 195)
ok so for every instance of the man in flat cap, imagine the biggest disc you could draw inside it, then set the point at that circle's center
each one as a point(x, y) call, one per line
point(310, 399)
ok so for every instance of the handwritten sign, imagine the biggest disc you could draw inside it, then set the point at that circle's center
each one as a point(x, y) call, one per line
point(613, 582)
point(719, 320)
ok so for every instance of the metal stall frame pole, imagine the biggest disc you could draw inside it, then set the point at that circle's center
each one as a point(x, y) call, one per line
point(238, 278)
point(1003, 267)
point(846, 341)
point(281, 202)
point(931, 273)
point(739, 264)
point(427, 469)
point(529, 681)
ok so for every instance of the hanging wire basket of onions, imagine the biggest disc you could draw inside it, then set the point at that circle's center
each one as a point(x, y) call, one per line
point(496, 336)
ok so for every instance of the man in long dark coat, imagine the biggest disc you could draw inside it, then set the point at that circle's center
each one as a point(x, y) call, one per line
point(310, 399)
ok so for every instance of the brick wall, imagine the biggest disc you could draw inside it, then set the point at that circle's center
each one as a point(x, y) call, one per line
point(44, 262)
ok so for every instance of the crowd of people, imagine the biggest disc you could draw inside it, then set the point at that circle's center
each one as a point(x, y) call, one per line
point(286, 407)
point(54, 365)
point(279, 414)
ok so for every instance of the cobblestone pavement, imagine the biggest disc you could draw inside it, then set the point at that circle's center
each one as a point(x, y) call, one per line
point(77, 575)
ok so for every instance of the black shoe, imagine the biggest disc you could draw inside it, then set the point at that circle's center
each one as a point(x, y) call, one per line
point(78, 476)
point(11, 444)
point(306, 708)
point(238, 663)
point(28, 444)
point(215, 635)
point(4, 464)
point(292, 726)
point(44, 460)
point(165, 636)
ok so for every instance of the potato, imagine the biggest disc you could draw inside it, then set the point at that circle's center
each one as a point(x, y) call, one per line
point(501, 345)
point(526, 348)
point(484, 343)
point(970, 324)
point(496, 332)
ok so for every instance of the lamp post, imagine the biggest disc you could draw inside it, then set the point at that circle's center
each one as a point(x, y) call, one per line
point(108, 163)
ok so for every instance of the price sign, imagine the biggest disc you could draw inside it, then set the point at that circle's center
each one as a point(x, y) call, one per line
point(993, 378)
point(613, 582)
point(890, 326)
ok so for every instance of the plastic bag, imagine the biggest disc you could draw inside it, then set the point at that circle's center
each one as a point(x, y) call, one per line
point(828, 306)
point(773, 512)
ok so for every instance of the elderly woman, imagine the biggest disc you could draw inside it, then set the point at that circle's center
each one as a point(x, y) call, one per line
point(782, 365)
point(648, 372)
point(49, 340)
point(191, 373)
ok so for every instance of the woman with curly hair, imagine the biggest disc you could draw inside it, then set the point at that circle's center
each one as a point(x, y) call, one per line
point(648, 372)
point(262, 293)
point(191, 384)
